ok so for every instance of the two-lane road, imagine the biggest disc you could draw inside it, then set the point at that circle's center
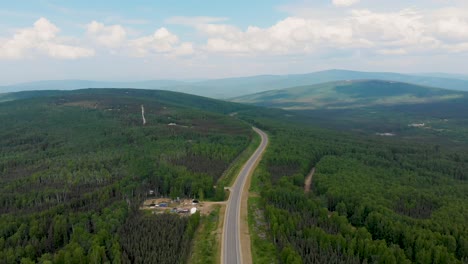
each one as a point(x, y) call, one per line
point(231, 245)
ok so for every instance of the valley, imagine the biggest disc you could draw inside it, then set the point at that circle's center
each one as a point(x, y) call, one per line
point(388, 162)
point(72, 186)
point(234, 132)
point(227, 88)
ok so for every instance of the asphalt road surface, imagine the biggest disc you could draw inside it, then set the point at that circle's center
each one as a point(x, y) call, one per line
point(231, 249)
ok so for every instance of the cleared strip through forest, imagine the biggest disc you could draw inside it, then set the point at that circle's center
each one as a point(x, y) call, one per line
point(308, 180)
point(143, 114)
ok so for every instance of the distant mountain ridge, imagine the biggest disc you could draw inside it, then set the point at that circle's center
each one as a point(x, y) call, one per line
point(235, 87)
point(444, 75)
point(82, 84)
point(349, 94)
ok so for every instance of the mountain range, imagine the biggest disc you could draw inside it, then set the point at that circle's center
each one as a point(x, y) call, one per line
point(349, 94)
point(235, 87)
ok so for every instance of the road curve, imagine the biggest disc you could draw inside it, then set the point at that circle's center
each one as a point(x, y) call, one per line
point(231, 252)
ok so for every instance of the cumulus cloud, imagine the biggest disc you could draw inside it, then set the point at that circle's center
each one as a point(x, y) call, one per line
point(291, 35)
point(108, 36)
point(344, 3)
point(400, 29)
point(386, 33)
point(184, 49)
point(454, 28)
point(403, 32)
point(40, 39)
point(162, 41)
point(450, 26)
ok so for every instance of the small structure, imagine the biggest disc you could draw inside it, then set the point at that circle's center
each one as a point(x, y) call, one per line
point(183, 211)
point(162, 205)
point(172, 124)
point(417, 125)
point(385, 134)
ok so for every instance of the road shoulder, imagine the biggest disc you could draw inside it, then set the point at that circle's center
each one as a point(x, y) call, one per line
point(244, 224)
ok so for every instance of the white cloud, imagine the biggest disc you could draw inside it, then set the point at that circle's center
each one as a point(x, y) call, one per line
point(108, 36)
point(386, 33)
point(406, 28)
point(363, 31)
point(291, 35)
point(162, 41)
point(457, 48)
point(184, 49)
point(454, 28)
point(343, 3)
point(61, 51)
point(43, 39)
point(40, 39)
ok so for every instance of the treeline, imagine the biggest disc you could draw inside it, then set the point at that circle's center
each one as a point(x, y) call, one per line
point(75, 168)
point(373, 200)
point(157, 239)
point(61, 235)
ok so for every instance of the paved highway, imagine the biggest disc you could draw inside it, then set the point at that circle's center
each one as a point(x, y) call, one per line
point(231, 252)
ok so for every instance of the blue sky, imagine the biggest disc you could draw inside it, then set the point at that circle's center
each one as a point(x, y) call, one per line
point(164, 39)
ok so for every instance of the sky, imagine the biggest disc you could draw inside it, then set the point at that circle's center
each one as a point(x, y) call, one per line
point(208, 39)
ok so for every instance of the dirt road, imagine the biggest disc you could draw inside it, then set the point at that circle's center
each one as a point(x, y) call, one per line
point(308, 181)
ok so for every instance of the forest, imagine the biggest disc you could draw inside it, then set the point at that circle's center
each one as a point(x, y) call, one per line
point(444, 122)
point(373, 199)
point(75, 167)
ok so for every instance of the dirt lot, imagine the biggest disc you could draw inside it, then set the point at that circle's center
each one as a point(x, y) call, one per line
point(206, 207)
point(166, 204)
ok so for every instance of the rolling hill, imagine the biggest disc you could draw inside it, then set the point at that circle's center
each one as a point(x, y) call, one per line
point(349, 94)
point(234, 87)
point(175, 98)
point(81, 84)
point(76, 166)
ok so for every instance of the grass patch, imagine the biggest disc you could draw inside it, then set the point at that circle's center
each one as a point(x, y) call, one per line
point(206, 243)
point(263, 250)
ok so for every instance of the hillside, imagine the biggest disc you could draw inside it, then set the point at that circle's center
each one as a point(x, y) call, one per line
point(76, 165)
point(234, 87)
point(373, 199)
point(444, 75)
point(180, 99)
point(349, 94)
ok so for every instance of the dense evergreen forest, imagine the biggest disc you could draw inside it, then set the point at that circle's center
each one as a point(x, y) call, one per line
point(445, 122)
point(75, 166)
point(373, 199)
